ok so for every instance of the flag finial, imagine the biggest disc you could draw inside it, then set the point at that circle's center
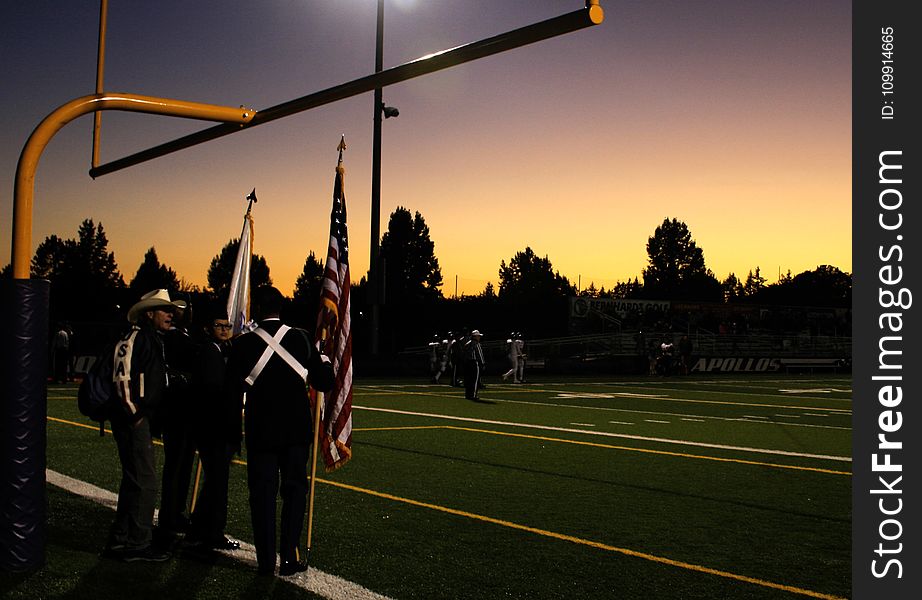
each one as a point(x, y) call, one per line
point(341, 147)
point(251, 198)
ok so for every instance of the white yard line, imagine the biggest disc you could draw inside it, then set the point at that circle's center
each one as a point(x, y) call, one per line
point(669, 414)
point(607, 434)
point(313, 580)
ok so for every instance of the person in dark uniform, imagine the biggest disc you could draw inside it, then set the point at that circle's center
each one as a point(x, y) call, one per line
point(473, 365)
point(272, 366)
point(217, 429)
point(175, 423)
point(456, 355)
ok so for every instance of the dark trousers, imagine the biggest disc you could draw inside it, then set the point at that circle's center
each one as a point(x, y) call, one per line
point(265, 469)
point(61, 361)
point(178, 456)
point(210, 516)
point(137, 493)
point(471, 379)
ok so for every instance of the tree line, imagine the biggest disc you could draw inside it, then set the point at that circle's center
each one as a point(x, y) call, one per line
point(87, 285)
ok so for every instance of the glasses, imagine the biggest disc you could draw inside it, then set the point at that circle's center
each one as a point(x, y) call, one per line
point(222, 326)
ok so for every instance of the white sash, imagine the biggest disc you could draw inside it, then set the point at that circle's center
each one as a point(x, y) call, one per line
point(274, 346)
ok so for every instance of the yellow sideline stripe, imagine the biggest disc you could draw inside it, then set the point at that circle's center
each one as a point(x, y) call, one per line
point(551, 439)
point(648, 451)
point(584, 542)
point(546, 533)
point(85, 426)
point(93, 427)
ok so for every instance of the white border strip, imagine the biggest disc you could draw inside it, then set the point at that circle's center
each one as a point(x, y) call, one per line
point(608, 434)
point(313, 580)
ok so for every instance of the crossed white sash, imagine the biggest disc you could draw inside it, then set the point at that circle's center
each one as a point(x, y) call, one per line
point(274, 346)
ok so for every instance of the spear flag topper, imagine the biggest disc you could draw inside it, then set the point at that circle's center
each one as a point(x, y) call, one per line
point(252, 198)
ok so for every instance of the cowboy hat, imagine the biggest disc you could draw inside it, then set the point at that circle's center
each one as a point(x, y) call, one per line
point(476, 332)
point(153, 300)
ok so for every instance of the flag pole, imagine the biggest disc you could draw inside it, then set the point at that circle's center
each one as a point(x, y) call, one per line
point(325, 333)
point(198, 480)
point(310, 501)
point(251, 198)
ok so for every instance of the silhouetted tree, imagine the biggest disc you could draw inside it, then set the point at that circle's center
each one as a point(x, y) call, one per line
point(152, 275)
point(732, 288)
point(307, 293)
point(532, 277)
point(676, 268)
point(412, 271)
point(627, 289)
point(412, 278)
point(85, 281)
point(534, 295)
point(222, 269)
point(307, 286)
point(754, 283)
point(825, 286)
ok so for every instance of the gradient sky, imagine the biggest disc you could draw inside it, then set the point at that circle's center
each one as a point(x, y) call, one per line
point(730, 115)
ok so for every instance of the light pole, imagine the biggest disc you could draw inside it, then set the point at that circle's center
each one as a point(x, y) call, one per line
point(375, 282)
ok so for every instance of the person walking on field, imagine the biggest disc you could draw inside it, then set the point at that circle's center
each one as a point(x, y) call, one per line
point(473, 365)
point(519, 344)
point(513, 354)
point(272, 366)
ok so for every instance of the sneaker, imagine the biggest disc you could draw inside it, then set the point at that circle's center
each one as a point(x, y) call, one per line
point(149, 554)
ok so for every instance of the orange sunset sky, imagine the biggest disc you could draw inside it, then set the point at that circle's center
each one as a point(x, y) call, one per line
point(730, 115)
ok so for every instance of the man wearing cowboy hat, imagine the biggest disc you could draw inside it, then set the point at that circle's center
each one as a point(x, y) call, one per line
point(131, 536)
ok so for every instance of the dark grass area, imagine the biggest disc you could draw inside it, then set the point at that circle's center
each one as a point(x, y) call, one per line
point(73, 569)
point(624, 506)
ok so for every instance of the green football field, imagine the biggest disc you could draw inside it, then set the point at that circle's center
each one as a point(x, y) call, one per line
point(726, 487)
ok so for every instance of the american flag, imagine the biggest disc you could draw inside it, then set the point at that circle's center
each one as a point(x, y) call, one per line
point(334, 329)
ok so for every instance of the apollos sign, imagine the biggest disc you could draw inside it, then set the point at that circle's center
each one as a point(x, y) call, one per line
point(737, 365)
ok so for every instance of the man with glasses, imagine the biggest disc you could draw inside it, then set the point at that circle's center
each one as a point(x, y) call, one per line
point(217, 431)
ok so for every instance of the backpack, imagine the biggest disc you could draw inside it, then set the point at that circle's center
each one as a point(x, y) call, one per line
point(107, 380)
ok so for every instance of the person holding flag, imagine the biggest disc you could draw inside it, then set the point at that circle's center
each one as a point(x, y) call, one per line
point(272, 365)
point(334, 331)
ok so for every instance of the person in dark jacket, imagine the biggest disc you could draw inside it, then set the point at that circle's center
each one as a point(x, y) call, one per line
point(131, 535)
point(174, 422)
point(217, 430)
point(272, 366)
point(473, 365)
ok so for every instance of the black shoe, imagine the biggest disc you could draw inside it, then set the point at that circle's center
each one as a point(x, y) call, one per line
point(114, 551)
point(225, 544)
point(290, 567)
point(149, 554)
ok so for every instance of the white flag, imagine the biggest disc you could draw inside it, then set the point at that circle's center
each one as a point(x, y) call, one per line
point(238, 299)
